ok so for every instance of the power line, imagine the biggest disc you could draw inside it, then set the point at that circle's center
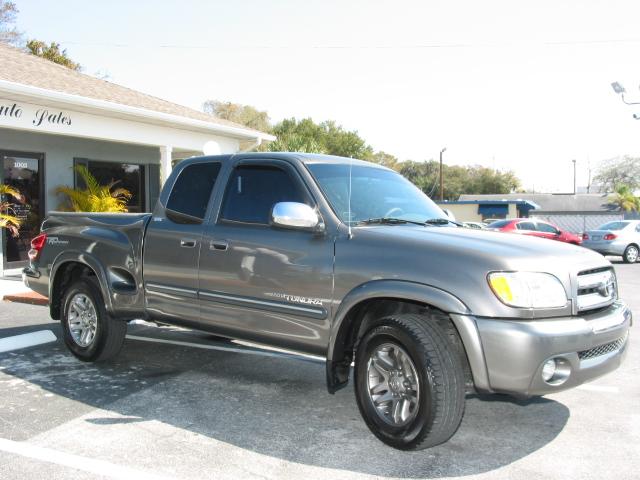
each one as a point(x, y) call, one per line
point(425, 46)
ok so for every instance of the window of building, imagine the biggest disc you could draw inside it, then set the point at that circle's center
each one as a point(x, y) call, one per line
point(126, 175)
point(191, 191)
point(253, 190)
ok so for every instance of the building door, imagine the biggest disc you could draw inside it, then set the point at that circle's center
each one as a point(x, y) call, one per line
point(24, 172)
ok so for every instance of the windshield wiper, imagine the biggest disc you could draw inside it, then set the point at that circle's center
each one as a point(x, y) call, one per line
point(441, 221)
point(387, 221)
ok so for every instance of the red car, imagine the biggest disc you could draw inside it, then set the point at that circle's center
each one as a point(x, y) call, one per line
point(537, 228)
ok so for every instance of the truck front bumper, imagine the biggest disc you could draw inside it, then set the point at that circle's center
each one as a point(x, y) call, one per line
point(515, 351)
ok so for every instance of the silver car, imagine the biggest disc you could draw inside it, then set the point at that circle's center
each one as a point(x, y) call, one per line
point(620, 238)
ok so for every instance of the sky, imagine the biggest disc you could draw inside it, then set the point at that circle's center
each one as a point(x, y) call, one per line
point(520, 85)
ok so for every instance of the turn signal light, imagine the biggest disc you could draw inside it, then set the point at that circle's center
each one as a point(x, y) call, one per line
point(610, 236)
point(37, 244)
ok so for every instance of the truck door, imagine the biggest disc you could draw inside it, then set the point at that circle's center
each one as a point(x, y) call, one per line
point(172, 244)
point(261, 282)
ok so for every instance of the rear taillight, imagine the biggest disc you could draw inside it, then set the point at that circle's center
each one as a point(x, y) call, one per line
point(585, 236)
point(610, 236)
point(36, 245)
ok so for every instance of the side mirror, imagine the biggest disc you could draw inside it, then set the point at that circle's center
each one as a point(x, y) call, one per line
point(295, 215)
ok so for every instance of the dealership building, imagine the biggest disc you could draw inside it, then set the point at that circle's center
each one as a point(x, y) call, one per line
point(53, 118)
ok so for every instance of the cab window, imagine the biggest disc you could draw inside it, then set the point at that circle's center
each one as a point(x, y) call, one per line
point(253, 190)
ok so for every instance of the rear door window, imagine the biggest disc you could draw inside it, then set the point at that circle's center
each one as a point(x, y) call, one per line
point(526, 226)
point(546, 228)
point(191, 192)
point(613, 226)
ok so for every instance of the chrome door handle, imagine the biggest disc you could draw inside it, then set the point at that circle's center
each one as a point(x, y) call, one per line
point(218, 245)
point(187, 243)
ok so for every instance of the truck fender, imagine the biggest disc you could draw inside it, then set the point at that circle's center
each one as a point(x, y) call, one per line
point(85, 259)
point(337, 370)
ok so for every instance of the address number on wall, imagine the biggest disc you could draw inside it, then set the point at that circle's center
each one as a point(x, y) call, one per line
point(20, 165)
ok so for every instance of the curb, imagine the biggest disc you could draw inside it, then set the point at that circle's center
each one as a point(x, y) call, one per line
point(31, 298)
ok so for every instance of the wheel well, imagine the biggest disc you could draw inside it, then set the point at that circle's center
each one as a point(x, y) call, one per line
point(66, 274)
point(356, 323)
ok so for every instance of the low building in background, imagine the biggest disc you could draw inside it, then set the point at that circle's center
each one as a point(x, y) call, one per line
point(574, 213)
point(485, 210)
point(53, 118)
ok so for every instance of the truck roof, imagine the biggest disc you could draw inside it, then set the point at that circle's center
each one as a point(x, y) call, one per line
point(307, 158)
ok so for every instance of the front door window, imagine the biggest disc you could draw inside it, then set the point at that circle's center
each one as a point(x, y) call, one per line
point(23, 172)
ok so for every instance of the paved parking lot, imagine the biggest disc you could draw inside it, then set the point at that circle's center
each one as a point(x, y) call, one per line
point(205, 408)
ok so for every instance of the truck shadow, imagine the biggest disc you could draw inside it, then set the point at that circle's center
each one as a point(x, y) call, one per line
point(275, 406)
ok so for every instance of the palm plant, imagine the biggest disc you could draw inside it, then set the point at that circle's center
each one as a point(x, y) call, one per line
point(7, 218)
point(95, 197)
point(625, 199)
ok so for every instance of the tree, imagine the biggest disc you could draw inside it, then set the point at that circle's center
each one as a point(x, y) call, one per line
point(243, 114)
point(618, 171)
point(52, 53)
point(7, 219)
point(293, 142)
point(383, 158)
point(328, 136)
point(625, 200)
point(8, 32)
point(95, 197)
point(457, 179)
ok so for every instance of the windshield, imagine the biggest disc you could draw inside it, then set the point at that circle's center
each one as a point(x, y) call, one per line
point(375, 193)
point(613, 226)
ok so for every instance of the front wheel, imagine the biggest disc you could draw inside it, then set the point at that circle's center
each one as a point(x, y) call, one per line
point(88, 330)
point(630, 254)
point(410, 382)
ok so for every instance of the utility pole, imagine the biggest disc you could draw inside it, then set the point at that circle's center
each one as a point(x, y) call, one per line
point(441, 177)
point(574, 176)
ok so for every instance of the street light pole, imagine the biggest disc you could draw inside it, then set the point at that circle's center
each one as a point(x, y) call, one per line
point(441, 177)
point(574, 176)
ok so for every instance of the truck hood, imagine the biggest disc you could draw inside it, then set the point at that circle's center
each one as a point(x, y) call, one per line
point(501, 250)
point(458, 260)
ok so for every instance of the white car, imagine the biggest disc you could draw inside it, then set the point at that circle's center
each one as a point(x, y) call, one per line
point(620, 238)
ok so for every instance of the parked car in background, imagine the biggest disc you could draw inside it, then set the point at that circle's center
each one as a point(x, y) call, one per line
point(476, 225)
point(620, 238)
point(535, 228)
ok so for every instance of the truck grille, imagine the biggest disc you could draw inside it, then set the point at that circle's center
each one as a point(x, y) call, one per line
point(603, 349)
point(596, 288)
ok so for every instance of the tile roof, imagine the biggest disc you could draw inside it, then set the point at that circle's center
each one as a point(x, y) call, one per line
point(26, 69)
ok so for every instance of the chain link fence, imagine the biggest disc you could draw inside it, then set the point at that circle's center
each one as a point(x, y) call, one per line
point(576, 222)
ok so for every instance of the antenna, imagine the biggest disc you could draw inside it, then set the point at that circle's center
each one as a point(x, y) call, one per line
point(349, 197)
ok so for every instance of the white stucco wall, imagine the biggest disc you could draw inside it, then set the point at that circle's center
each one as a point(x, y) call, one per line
point(60, 151)
point(28, 116)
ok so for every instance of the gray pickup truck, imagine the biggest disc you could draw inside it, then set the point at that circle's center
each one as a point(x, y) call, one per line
point(344, 259)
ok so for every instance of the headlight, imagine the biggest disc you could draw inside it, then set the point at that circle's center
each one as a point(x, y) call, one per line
point(528, 289)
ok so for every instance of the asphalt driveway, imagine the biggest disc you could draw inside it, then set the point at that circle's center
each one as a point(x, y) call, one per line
point(179, 404)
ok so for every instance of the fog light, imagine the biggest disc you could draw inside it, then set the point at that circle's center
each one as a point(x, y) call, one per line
point(556, 371)
point(548, 369)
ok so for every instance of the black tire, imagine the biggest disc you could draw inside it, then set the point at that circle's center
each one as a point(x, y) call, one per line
point(109, 333)
point(630, 254)
point(441, 399)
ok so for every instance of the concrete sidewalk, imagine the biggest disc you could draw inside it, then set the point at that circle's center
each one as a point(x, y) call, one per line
point(13, 290)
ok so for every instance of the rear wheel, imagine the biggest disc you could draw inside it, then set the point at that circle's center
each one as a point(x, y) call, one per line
point(89, 332)
point(630, 254)
point(409, 382)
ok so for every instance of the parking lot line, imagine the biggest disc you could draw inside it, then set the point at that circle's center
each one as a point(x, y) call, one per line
point(25, 340)
point(598, 388)
point(91, 465)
